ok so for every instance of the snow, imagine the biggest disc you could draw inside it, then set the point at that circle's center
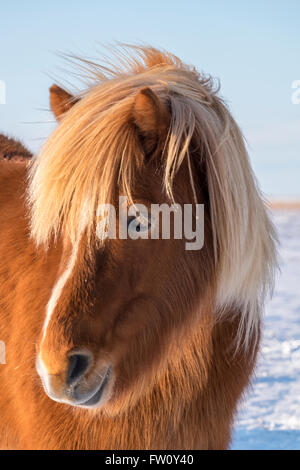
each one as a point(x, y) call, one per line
point(269, 417)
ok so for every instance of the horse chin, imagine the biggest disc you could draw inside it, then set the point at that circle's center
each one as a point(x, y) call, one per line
point(102, 394)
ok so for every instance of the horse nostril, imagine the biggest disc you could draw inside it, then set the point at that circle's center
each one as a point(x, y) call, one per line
point(78, 365)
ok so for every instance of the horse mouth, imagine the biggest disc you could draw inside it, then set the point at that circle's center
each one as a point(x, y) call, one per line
point(95, 399)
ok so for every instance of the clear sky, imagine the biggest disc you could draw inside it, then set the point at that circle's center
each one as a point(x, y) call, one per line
point(253, 47)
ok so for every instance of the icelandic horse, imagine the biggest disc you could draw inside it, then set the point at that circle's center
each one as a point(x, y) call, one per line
point(130, 343)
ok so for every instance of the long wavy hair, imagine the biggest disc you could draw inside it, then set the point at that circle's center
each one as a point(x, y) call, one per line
point(96, 149)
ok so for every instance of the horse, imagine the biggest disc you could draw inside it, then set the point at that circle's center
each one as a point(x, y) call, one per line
point(120, 343)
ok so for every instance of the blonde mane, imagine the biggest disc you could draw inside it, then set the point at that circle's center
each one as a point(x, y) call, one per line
point(95, 150)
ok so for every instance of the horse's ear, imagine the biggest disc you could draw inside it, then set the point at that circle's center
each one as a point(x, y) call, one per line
point(151, 116)
point(60, 101)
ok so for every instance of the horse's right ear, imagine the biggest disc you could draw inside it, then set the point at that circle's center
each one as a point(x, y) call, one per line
point(60, 101)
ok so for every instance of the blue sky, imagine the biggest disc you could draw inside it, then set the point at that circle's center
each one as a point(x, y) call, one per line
point(252, 47)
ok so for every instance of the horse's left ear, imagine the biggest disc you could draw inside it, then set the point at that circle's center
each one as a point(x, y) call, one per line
point(151, 116)
point(60, 101)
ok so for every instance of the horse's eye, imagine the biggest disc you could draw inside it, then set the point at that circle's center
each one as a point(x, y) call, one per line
point(138, 224)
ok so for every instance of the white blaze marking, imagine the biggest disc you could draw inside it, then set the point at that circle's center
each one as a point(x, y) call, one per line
point(57, 289)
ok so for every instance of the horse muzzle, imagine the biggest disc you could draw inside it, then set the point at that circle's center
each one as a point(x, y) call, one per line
point(80, 383)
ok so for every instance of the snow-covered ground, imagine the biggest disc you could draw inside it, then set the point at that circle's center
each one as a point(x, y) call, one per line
point(269, 418)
